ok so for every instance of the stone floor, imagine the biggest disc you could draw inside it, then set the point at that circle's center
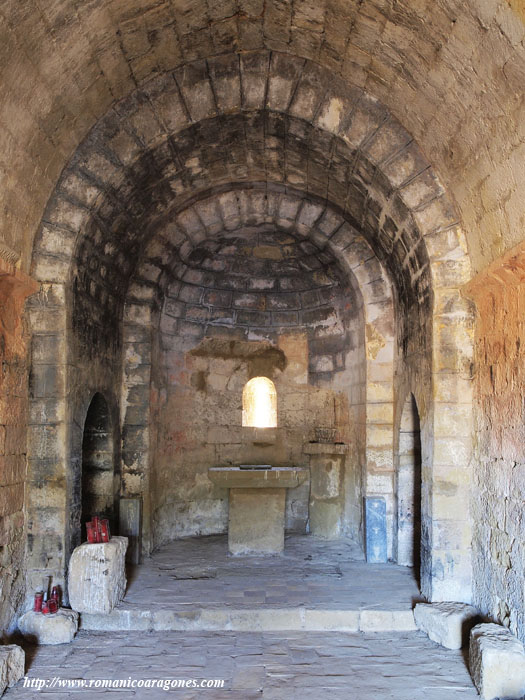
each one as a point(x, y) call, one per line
point(190, 578)
point(195, 584)
point(291, 666)
point(311, 572)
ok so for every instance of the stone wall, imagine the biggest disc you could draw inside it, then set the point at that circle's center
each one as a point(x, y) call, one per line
point(498, 488)
point(14, 416)
point(65, 375)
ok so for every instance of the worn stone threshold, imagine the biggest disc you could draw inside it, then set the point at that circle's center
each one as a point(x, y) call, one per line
point(251, 620)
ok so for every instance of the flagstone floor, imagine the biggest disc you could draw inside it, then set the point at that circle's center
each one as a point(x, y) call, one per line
point(318, 574)
point(271, 666)
point(195, 581)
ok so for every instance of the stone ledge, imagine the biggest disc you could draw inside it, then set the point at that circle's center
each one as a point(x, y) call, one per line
point(276, 477)
point(12, 665)
point(57, 628)
point(387, 621)
point(252, 620)
point(447, 624)
point(497, 663)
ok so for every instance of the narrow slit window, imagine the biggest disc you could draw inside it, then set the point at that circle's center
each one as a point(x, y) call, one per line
point(259, 403)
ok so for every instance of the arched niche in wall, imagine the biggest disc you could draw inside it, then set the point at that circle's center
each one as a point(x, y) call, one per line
point(98, 468)
point(409, 488)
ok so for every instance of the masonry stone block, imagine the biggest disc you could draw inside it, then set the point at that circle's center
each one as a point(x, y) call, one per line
point(248, 509)
point(224, 71)
point(254, 71)
point(497, 663)
point(12, 665)
point(447, 624)
point(97, 576)
point(56, 628)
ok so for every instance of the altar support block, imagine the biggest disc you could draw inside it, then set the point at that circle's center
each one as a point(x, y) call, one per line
point(257, 505)
point(256, 521)
point(97, 576)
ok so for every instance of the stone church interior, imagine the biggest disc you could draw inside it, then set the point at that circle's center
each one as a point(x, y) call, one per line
point(262, 400)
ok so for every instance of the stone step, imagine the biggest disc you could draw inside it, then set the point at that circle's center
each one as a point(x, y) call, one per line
point(251, 620)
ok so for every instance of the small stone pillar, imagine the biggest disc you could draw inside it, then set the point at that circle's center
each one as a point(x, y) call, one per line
point(12, 665)
point(97, 576)
point(56, 628)
point(327, 460)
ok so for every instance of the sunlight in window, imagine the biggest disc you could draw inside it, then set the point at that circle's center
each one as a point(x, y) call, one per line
point(259, 403)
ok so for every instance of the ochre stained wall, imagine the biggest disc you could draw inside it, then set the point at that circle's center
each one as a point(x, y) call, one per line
point(498, 491)
point(14, 288)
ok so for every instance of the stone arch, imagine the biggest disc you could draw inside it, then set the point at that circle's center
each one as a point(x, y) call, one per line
point(98, 467)
point(327, 227)
point(374, 172)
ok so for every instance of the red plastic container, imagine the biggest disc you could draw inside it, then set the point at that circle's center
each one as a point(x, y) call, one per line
point(39, 599)
point(96, 526)
point(91, 533)
point(55, 594)
point(104, 530)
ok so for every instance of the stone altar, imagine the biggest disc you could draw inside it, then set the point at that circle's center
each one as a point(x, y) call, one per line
point(257, 502)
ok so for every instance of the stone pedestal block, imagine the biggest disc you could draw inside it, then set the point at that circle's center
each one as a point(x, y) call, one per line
point(12, 665)
point(326, 492)
point(256, 521)
point(448, 624)
point(59, 628)
point(97, 576)
point(325, 519)
point(497, 663)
